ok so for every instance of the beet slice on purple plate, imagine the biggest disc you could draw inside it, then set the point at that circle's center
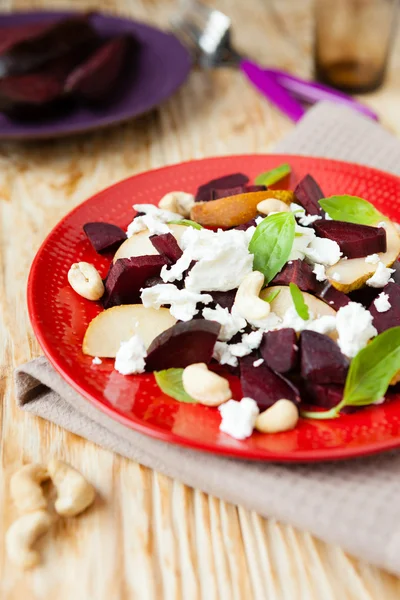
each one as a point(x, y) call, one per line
point(279, 349)
point(127, 276)
point(354, 240)
point(167, 246)
point(390, 318)
point(205, 191)
point(264, 385)
point(321, 359)
point(298, 272)
point(330, 295)
point(308, 193)
point(104, 237)
point(182, 345)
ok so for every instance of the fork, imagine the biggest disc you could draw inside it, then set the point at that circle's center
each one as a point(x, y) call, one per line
point(206, 32)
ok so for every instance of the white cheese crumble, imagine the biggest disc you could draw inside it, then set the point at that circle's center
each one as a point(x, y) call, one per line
point(96, 361)
point(267, 324)
point(231, 324)
point(303, 237)
point(325, 324)
point(222, 260)
point(297, 208)
point(154, 219)
point(382, 224)
point(372, 259)
point(258, 362)
point(259, 219)
point(130, 357)
point(381, 277)
point(355, 329)
point(309, 219)
point(336, 276)
point(382, 303)
point(238, 418)
point(222, 354)
point(249, 342)
point(319, 272)
point(323, 251)
point(182, 302)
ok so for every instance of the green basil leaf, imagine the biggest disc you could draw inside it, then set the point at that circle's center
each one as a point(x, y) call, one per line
point(298, 301)
point(170, 382)
point(187, 223)
point(271, 297)
point(273, 176)
point(351, 209)
point(272, 243)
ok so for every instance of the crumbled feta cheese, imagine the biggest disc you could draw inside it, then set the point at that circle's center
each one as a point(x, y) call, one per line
point(372, 259)
point(258, 362)
point(292, 320)
point(319, 272)
point(249, 342)
point(267, 324)
point(130, 357)
point(259, 220)
point(309, 220)
point(154, 219)
point(238, 418)
point(381, 277)
point(382, 303)
point(182, 302)
point(231, 324)
point(297, 208)
point(355, 329)
point(382, 224)
point(157, 213)
point(325, 324)
point(222, 260)
point(303, 237)
point(222, 354)
point(336, 276)
point(96, 361)
point(323, 251)
point(327, 217)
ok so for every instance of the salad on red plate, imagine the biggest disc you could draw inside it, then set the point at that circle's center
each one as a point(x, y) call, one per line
point(296, 293)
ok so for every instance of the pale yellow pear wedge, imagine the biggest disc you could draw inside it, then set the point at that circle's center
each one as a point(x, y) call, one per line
point(139, 244)
point(284, 301)
point(119, 323)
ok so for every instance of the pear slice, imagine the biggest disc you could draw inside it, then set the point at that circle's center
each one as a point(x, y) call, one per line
point(139, 244)
point(354, 272)
point(119, 323)
point(284, 301)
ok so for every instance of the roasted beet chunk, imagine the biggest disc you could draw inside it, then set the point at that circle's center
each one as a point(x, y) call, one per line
point(354, 240)
point(330, 295)
point(126, 278)
point(239, 189)
point(298, 272)
point(182, 345)
point(246, 226)
point(396, 274)
point(167, 246)
point(308, 193)
point(205, 191)
point(224, 299)
point(324, 396)
point(321, 359)
point(390, 318)
point(264, 385)
point(104, 237)
point(279, 349)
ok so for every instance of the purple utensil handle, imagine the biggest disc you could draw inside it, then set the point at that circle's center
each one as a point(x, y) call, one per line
point(269, 86)
point(310, 91)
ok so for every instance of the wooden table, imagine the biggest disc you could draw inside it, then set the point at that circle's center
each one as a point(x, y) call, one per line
point(149, 537)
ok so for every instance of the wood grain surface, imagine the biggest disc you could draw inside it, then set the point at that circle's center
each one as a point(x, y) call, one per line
point(149, 537)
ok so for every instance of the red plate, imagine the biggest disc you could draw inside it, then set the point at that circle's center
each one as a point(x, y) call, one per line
point(60, 317)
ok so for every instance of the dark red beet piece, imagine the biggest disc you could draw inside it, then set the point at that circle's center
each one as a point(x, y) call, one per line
point(152, 281)
point(308, 193)
point(28, 48)
point(300, 273)
point(390, 318)
point(255, 188)
point(204, 192)
point(126, 278)
point(321, 359)
point(240, 189)
point(95, 78)
point(167, 246)
point(264, 385)
point(224, 299)
point(279, 350)
point(245, 226)
point(365, 295)
point(104, 237)
point(396, 274)
point(182, 345)
point(330, 295)
point(354, 240)
point(324, 396)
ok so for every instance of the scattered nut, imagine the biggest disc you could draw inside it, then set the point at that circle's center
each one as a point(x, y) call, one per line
point(272, 205)
point(281, 416)
point(74, 493)
point(23, 534)
point(247, 303)
point(25, 488)
point(85, 280)
point(206, 387)
point(177, 202)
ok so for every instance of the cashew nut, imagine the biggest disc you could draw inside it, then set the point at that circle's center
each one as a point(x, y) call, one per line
point(85, 280)
point(23, 534)
point(74, 493)
point(272, 205)
point(281, 416)
point(177, 202)
point(25, 488)
point(247, 303)
point(206, 387)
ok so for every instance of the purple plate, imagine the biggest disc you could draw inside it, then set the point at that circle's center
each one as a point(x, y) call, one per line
point(162, 66)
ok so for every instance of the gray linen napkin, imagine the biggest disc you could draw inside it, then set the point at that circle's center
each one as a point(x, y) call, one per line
point(354, 504)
